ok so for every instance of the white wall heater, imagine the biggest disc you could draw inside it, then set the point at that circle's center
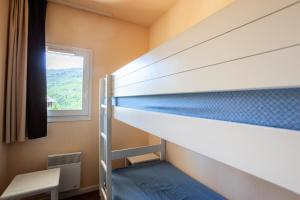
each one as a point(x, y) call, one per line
point(70, 166)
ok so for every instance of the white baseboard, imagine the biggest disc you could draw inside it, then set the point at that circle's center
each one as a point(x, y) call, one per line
point(80, 191)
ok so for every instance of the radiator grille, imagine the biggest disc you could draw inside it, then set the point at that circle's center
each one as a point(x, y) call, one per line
point(63, 159)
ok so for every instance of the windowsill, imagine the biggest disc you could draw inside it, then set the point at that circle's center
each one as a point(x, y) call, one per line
point(52, 119)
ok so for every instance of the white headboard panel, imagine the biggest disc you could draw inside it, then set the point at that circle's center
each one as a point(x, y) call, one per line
point(247, 39)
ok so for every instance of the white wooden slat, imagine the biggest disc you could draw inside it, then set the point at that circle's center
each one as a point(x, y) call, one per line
point(235, 15)
point(123, 153)
point(104, 167)
point(103, 135)
point(276, 31)
point(103, 193)
point(276, 69)
point(268, 153)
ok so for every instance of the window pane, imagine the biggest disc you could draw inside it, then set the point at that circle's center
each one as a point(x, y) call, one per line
point(64, 81)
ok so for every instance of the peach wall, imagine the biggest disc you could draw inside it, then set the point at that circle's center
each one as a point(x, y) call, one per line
point(3, 35)
point(230, 182)
point(181, 16)
point(114, 43)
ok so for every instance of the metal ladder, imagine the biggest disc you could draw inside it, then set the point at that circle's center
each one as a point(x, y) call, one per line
point(105, 150)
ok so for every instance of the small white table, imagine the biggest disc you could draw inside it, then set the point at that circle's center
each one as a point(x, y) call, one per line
point(29, 184)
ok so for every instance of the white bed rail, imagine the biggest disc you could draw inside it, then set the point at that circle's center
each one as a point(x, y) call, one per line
point(105, 142)
point(123, 153)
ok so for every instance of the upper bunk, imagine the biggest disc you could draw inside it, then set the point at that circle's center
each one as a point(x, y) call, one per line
point(243, 63)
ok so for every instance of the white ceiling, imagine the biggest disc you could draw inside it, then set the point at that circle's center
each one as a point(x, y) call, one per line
point(143, 12)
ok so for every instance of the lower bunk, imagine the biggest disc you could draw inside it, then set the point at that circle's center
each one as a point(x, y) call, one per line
point(158, 180)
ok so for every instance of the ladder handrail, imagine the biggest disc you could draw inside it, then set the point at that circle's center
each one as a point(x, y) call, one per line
point(108, 136)
point(101, 148)
point(105, 140)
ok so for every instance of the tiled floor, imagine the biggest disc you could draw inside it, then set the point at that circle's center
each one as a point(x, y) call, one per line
point(88, 196)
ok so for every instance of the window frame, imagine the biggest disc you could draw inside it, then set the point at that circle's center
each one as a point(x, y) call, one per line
point(85, 113)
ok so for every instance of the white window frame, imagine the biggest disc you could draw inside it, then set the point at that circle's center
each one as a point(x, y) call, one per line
point(85, 113)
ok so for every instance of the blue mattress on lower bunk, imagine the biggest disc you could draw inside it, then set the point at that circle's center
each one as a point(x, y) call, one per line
point(158, 181)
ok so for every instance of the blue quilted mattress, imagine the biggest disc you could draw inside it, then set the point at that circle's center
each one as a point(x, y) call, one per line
point(158, 181)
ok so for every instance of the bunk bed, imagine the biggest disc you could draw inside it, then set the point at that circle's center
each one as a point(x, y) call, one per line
point(228, 88)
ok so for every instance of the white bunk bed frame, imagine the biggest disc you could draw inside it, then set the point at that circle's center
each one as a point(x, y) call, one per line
point(105, 150)
point(250, 44)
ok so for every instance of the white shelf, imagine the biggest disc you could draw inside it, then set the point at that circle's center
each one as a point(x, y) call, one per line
point(142, 158)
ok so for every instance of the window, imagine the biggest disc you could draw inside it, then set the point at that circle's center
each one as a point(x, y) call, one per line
point(68, 83)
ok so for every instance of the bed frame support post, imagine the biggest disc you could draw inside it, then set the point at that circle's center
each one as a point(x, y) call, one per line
point(163, 149)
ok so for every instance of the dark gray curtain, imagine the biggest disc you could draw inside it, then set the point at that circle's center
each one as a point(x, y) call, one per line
point(36, 110)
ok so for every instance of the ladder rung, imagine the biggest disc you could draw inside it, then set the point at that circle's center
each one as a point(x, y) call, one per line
point(103, 193)
point(103, 136)
point(103, 165)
